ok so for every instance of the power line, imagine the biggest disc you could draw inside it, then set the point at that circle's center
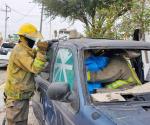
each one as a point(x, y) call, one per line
point(26, 15)
point(16, 11)
point(23, 13)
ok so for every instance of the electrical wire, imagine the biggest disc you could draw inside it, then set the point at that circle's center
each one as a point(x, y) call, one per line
point(20, 13)
point(24, 15)
point(14, 10)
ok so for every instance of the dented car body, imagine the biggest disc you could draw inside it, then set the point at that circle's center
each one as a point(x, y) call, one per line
point(62, 97)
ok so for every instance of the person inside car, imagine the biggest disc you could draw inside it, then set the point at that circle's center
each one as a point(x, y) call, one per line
point(110, 71)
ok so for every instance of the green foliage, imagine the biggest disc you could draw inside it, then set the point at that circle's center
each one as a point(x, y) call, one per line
point(137, 17)
point(103, 18)
point(82, 10)
point(106, 18)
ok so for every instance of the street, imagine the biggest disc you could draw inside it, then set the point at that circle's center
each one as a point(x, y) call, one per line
point(32, 119)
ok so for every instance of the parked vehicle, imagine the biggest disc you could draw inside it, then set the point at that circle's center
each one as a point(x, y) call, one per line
point(5, 51)
point(62, 98)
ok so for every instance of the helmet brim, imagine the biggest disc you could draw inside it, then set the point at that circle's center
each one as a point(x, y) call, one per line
point(33, 36)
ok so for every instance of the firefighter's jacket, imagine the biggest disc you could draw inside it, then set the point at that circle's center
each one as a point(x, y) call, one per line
point(23, 64)
point(117, 74)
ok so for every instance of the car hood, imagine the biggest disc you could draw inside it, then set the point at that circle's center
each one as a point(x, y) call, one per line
point(127, 115)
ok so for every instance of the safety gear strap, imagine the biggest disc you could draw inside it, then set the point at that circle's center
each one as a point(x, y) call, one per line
point(88, 76)
point(134, 74)
point(91, 76)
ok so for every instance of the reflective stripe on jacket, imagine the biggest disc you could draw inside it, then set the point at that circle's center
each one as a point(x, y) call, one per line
point(23, 64)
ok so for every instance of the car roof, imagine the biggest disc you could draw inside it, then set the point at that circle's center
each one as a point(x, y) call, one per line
point(106, 44)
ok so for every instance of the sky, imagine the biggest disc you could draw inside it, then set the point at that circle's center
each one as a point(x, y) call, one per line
point(23, 11)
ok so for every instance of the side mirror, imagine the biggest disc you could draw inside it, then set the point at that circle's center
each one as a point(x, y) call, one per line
point(59, 92)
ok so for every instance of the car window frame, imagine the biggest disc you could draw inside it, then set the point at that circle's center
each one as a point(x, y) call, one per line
point(73, 65)
point(89, 99)
point(74, 90)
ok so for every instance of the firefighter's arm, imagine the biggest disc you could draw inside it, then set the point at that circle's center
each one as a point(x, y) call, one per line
point(30, 64)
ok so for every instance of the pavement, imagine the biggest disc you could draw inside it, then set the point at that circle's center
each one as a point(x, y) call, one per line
point(31, 118)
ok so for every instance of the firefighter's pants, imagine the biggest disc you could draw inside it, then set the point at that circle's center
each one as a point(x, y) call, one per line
point(17, 112)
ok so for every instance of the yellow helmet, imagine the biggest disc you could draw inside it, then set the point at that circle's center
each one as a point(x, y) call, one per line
point(30, 31)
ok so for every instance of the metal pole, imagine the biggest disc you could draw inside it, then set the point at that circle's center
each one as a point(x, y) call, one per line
point(8, 9)
point(6, 23)
point(41, 21)
point(50, 26)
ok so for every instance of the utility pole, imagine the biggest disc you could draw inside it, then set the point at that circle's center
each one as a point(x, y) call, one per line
point(7, 9)
point(50, 26)
point(6, 19)
point(41, 21)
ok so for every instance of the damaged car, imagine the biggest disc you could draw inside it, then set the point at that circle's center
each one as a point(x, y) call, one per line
point(66, 94)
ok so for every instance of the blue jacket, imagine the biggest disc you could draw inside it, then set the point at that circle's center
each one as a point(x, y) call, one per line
point(95, 64)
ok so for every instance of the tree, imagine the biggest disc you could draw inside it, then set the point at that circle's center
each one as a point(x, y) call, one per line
point(137, 17)
point(106, 18)
point(103, 18)
point(99, 16)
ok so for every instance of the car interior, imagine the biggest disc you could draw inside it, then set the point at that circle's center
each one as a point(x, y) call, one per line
point(97, 87)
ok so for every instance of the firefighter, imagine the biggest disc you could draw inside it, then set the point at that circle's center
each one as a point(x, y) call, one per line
point(24, 62)
point(113, 74)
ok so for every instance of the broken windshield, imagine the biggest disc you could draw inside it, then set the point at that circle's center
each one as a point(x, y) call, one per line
point(116, 74)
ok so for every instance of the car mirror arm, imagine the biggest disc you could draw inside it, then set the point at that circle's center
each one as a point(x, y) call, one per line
point(67, 98)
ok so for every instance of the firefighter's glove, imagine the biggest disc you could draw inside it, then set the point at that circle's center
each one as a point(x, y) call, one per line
point(42, 46)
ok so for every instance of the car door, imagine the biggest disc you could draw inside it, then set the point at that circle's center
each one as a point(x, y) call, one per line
point(64, 71)
point(42, 106)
